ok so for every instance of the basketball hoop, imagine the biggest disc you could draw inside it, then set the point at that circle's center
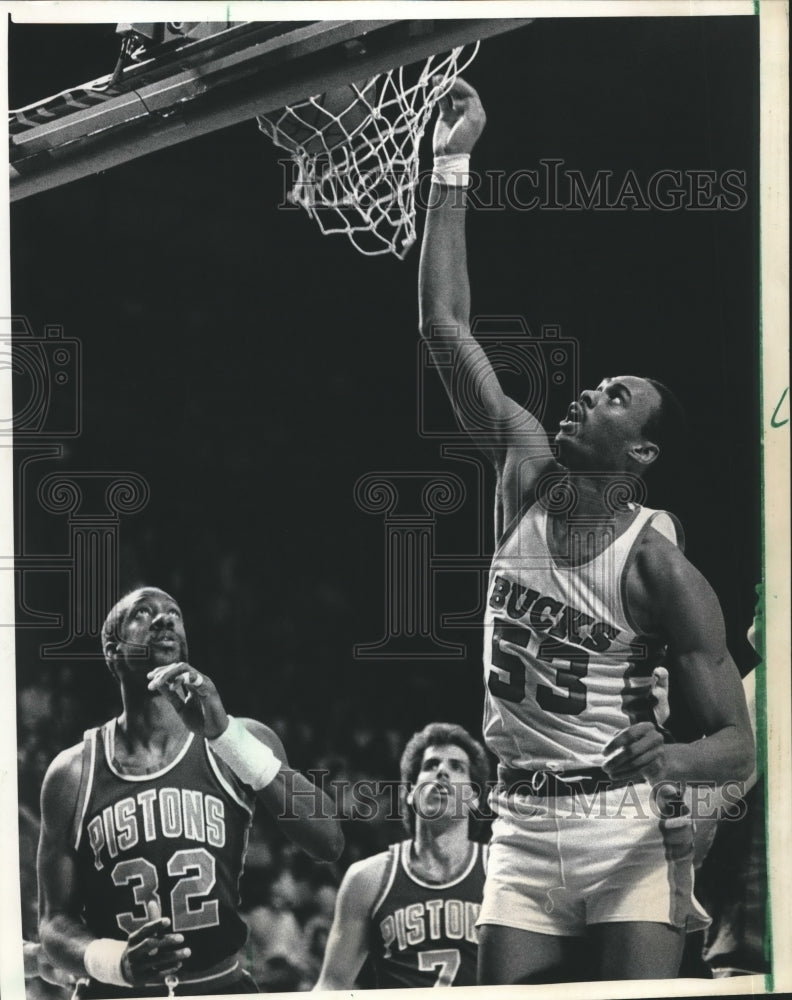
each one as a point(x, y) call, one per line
point(356, 151)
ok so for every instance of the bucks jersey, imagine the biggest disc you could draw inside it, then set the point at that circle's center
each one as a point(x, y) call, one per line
point(565, 667)
point(424, 934)
point(177, 837)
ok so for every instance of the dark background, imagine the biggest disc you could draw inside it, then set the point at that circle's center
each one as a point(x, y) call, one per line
point(252, 370)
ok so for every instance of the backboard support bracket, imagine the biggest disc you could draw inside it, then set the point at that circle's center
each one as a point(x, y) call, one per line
point(246, 70)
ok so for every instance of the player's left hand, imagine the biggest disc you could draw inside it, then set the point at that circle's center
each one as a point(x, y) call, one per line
point(636, 753)
point(193, 695)
point(460, 120)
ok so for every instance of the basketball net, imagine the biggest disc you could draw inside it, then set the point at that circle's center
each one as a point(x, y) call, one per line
point(361, 175)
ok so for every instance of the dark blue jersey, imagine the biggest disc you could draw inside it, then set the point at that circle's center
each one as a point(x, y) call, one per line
point(177, 837)
point(424, 934)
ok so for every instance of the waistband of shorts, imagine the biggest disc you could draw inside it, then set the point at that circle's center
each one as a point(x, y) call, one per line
point(548, 784)
point(219, 975)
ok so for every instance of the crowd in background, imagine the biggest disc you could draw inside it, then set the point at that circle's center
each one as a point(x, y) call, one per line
point(343, 721)
point(287, 899)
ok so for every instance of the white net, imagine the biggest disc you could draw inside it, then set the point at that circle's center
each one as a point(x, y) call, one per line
point(356, 151)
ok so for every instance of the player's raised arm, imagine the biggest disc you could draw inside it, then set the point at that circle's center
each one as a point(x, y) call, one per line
point(444, 288)
point(348, 940)
point(257, 757)
point(147, 954)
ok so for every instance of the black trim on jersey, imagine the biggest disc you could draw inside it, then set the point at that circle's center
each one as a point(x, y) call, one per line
point(88, 757)
point(680, 531)
point(403, 854)
point(388, 877)
point(108, 736)
point(231, 783)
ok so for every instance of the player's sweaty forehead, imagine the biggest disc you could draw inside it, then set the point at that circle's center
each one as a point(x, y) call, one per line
point(632, 384)
point(445, 753)
point(141, 596)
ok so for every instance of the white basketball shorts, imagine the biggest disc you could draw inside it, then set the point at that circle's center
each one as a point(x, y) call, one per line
point(559, 864)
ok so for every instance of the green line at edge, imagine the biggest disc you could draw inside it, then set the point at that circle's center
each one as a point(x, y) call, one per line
point(761, 609)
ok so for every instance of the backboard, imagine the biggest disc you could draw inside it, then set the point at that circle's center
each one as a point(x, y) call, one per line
point(206, 83)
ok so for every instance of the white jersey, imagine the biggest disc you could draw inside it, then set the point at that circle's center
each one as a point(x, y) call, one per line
point(565, 668)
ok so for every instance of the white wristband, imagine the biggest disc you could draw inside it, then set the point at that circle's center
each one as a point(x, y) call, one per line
point(251, 760)
point(452, 170)
point(102, 960)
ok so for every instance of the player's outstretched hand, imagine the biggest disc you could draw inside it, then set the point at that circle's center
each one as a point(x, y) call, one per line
point(636, 753)
point(460, 121)
point(151, 952)
point(194, 697)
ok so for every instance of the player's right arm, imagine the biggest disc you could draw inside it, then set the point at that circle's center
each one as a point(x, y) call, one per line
point(148, 953)
point(444, 302)
point(348, 940)
point(63, 935)
point(670, 598)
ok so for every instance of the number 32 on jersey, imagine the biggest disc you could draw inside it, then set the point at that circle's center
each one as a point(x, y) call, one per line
point(190, 909)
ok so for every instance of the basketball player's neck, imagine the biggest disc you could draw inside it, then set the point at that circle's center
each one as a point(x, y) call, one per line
point(149, 721)
point(597, 494)
point(440, 851)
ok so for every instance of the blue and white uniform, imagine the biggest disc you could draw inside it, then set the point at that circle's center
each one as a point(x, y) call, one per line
point(565, 670)
point(176, 837)
point(423, 933)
